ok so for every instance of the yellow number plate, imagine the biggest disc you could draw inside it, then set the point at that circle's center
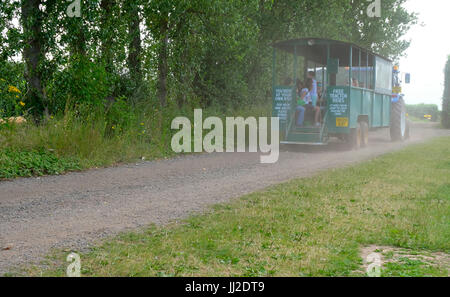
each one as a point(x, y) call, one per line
point(396, 90)
point(341, 122)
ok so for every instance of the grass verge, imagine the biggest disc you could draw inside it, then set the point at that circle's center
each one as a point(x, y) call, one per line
point(308, 227)
point(33, 163)
point(95, 139)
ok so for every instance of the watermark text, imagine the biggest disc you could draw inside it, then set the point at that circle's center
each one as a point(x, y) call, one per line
point(235, 136)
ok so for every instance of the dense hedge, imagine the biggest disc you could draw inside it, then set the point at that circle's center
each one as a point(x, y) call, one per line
point(421, 110)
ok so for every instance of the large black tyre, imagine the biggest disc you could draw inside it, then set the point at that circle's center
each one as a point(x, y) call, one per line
point(398, 121)
point(364, 134)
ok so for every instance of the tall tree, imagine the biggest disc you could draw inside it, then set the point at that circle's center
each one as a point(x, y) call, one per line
point(32, 21)
point(158, 13)
point(381, 34)
point(107, 32)
point(168, 20)
point(133, 10)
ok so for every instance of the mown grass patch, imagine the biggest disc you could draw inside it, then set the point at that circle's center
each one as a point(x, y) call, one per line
point(307, 227)
point(406, 267)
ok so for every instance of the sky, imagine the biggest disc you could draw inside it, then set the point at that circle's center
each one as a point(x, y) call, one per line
point(427, 55)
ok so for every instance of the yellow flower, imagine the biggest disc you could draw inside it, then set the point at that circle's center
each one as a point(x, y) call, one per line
point(22, 103)
point(142, 124)
point(113, 127)
point(13, 89)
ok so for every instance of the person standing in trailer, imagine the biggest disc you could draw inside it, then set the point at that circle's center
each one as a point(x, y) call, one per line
point(314, 97)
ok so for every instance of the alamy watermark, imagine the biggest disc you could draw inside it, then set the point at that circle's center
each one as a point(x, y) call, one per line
point(74, 268)
point(214, 140)
point(374, 9)
point(74, 9)
point(374, 268)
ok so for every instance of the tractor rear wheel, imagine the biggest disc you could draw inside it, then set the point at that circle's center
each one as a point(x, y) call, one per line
point(398, 121)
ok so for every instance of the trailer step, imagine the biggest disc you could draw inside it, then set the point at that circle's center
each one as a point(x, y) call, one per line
point(307, 129)
point(304, 137)
point(305, 143)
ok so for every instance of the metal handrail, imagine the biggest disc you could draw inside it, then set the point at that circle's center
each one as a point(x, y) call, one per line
point(324, 126)
point(291, 120)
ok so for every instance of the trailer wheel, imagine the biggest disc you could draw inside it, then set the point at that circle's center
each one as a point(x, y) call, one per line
point(398, 121)
point(364, 134)
point(354, 139)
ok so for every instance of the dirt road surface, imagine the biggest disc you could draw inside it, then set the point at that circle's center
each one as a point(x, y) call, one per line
point(77, 210)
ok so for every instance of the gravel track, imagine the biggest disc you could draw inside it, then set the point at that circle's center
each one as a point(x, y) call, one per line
point(77, 210)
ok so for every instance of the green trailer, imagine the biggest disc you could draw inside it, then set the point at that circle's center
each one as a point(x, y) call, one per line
point(358, 91)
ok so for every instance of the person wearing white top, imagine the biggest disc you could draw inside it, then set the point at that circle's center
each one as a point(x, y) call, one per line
point(307, 96)
point(314, 97)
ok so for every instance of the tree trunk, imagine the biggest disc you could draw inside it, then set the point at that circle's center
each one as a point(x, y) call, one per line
point(107, 33)
point(33, 55)
point(162, 64)
point(78, 46)
point(134, 47)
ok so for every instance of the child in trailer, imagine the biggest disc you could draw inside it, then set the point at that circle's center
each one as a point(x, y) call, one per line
point(301, 102)
point(312, 101)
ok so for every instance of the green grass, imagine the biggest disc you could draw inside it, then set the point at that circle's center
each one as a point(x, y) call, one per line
point(33, 163)
point(307, 227)
point(406, 267)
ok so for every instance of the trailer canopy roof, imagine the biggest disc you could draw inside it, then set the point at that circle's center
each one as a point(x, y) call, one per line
point(315, 49)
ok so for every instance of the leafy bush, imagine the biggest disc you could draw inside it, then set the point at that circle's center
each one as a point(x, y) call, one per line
point(11, 103)
point(120, 116)
point(82, 82)
point(15, 163)
point(13, 73)
point(12, 86)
